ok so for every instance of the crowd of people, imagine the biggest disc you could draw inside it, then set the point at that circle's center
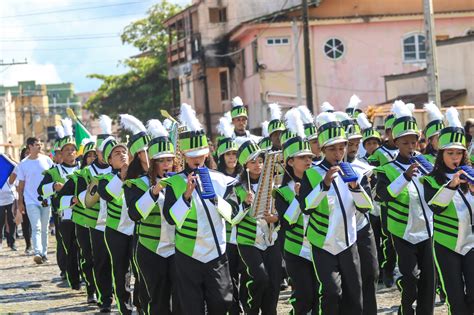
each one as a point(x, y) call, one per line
point(326, 204)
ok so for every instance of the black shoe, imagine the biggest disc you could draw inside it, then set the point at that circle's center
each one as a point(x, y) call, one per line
point(105, 309)
point(388, 279)
point(13, 248)
point(28, 251)
point(45, 259)
point(283, 285)
point(91, 298)
point(63, 275)
point(76, 286)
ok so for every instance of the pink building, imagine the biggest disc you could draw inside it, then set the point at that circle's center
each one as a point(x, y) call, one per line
point(354, 44)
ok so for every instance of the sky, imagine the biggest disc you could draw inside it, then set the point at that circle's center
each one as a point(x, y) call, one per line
point(65, 40)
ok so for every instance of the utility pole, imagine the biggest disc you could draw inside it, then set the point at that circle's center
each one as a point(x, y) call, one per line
point(207, 106)
point(13, 63)
point(296, 41)
point(434, 94)
point(307, 58)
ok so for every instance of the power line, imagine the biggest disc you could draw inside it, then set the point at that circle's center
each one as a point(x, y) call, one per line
point(71, 10)
point(66, 48)
point(61, 38)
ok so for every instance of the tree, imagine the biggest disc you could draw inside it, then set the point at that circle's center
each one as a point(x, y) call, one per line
point(145, 88)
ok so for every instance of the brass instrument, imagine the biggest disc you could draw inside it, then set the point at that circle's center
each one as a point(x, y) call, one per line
point(175, 130)
point(92, 197)
point(263, 201)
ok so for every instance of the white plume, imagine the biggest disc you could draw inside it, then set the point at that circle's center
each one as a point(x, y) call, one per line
point(294, 122)
point(225, 127)
point(452, 117)
point(88, 140)
point(324, 118)
point(265, 128)
point(275, 111)
point(327, 107)
point(156, 129)
point(305, 114)
point(240, 140)
point(433, 112)
point(400, 109)
point(167, 123)
point(228, 116)
point(341, 116)
point(67, 124)
point(411, 107)
point(237, 101)
point(105, 123)
point(354, 102)
point(189, 118)
point(59, 131)
point(363, 121)
point(132, 124)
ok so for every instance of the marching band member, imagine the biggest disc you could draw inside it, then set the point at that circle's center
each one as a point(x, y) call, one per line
point(332, 205)
point(256, 240)
point(265, 143)
point(240, 119)
point(67, 196)
point(365, 237)
point(228, 164)
point(275, 127)
point(451, 198)
point(155, 250)
point(381, 156)
point(203, 278)
point(52, 183)
point(297, 250)
point(410, 222)
point(310, 131)
point(119, 227)
point(432, 130)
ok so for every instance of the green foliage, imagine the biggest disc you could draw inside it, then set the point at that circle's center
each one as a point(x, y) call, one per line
point(145, 88)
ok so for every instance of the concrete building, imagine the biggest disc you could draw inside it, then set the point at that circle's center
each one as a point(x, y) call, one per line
point(198, 67)
point(354, 44)
point(9, 138)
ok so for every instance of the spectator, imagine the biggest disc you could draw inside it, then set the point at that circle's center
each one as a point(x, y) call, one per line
point(469, 129)
point(7, 198)
point(30, 173)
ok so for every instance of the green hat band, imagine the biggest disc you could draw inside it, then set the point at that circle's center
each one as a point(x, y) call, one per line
point(296, 146)
point(226, 145)
point(452, 137)
point(331, 132)
point(275, 125)
point(404, 126)
point(238, 111)
point(433, 128)
point(310, 131)
point(100, 139)
point(160, 146)
point(351, 128)
point(90, 146)
point(389, 120)
point(371, 133)
point(56, 145)
point(286, 135)
point(265, 143)
point(192, 141)
point(248, 151)
point(138, 142)
point(67, 140)
point(108, 147)
point(353, 112)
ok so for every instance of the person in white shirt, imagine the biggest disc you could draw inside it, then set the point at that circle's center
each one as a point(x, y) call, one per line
point(30, 174)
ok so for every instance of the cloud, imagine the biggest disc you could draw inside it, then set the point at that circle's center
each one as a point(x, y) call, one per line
point(41, 73)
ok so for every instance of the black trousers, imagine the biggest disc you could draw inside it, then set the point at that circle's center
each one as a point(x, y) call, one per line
point(376, 224)
point(102, 268)
point(6, 211)
point(340, 281)
point(417, 282)
point(304, 297)
point(236, 269)
point(60, 253)
point(136, 285)
point(263, 278)
point(205, 288)
point(68, 236)
point(26, 229)
point(457, 278)
point(158, 293)
point(369, 269)
point(120, 247)
point(389, 255)
point(85, 257)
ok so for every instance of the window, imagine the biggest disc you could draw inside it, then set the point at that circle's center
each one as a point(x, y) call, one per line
point(217, 15)
point(255, 56)
point(224, 85)
point(278, 41)
point(188, 87)
point(334, 48)
point(414, 48)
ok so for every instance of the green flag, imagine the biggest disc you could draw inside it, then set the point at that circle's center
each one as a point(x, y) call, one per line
point(81, 132)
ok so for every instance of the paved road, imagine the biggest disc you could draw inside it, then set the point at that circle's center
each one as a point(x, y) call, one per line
point(29, 288)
